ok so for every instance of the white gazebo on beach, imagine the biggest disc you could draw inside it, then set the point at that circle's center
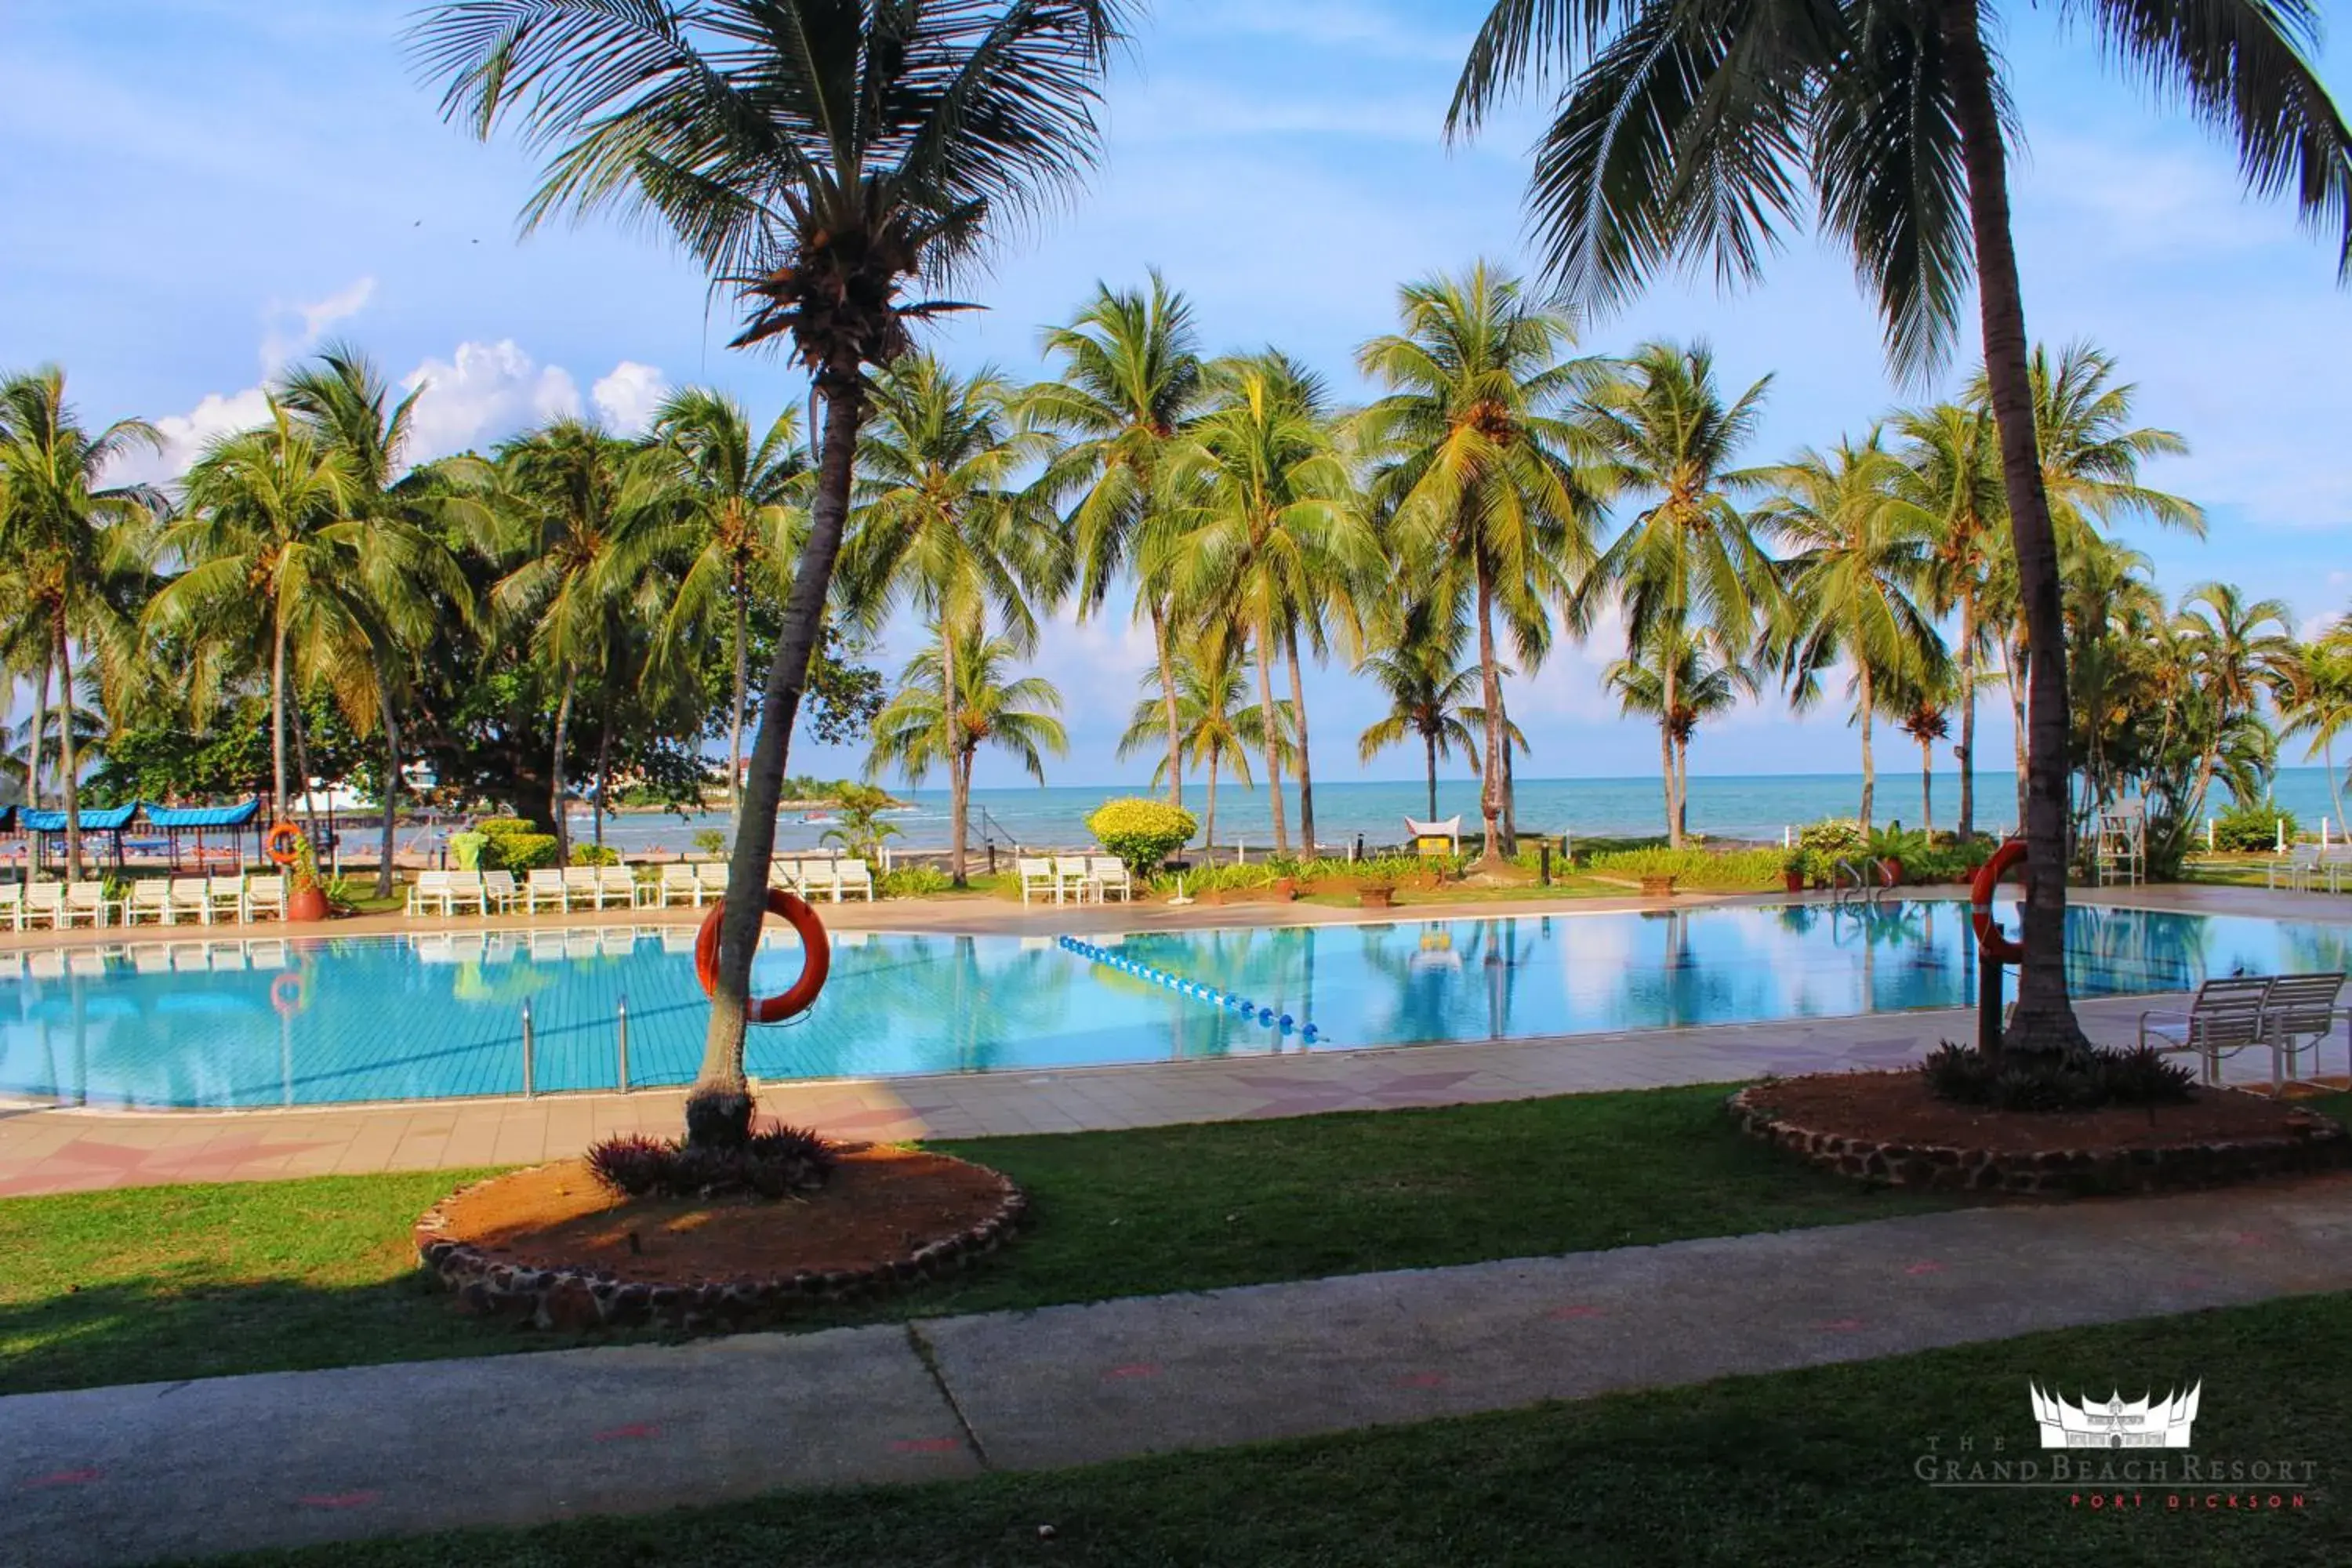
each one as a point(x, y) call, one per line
point(1436, 837)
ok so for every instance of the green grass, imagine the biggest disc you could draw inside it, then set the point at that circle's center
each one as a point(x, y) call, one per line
point(173, 1282)
point(1810, 1467)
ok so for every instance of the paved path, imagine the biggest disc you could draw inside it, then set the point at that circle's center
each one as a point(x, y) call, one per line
point(120, 1475)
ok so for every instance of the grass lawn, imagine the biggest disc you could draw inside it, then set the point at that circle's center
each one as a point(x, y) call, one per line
point(173, 1282)
point(1812, 1468)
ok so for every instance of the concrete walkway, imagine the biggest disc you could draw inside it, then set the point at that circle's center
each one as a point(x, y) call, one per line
point(120, 1475)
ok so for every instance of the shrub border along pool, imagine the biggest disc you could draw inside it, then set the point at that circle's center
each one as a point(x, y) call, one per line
point(2317, 1145)
point(586, 1297)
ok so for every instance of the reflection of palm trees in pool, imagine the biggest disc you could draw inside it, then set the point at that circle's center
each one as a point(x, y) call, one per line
point(2116, 951)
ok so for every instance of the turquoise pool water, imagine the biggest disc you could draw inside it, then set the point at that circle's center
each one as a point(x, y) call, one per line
point(321, 1021)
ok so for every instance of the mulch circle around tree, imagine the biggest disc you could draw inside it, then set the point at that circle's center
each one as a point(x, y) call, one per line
point(1885, 1126)
point(552, 1246)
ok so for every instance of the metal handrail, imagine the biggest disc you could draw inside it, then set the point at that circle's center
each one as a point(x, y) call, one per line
point(1840, 894)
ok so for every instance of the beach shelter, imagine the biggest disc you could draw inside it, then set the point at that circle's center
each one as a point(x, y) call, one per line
point(228, 820)
point(1435, 837)
point(48, 826)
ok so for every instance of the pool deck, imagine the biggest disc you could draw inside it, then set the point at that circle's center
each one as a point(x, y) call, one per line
point(47, 1149)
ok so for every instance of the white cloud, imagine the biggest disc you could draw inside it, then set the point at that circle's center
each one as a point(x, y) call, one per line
point(185, 436)
point(628, 396)
point(484, 392)
point(282, 343)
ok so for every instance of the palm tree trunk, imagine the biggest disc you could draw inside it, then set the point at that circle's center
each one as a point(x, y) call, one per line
point(1968, 826)
point(1306, 769)
point(1429, 745)
point(1927, 784)
point(603, 760)
point(1168, 702)
point(2044, 1017)
point(1666, 770)
point(1273, 742)
point(1490, 693)
point(1869, 769)
point(1682, 787)
point(66, 766)
point(390, 788)
point(1666, 663)
point(278, 718)
point(1209, 832)
point(719, 1108)
point(958, 792)
point(555, 785)
point(2019, 662)
point(2334, 783)
point(40, 731)
point(1510, 791)
point(735, 712)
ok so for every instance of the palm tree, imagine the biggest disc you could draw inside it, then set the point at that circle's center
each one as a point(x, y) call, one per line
point(1268, 529)
point(2320, 704)
point(940, 523)
point(919, 729)
point(1481, 477)
point(1693, 128)
point(404, 576)
point(734, 496)
point(1951, 471)
point(1131, 378)
point(66, 541)
point(1418, 669)
point(270, 543)
point(1706, 677)
point(2239, 652)
point(824, 156)
point(1216, 723)
point(1921, 710)
point(1665, 431)
point(1862, 553)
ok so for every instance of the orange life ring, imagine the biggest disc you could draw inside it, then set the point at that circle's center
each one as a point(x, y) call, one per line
point(286, 994)
point(816, 958)
point(1996, 944)
point(287, 834)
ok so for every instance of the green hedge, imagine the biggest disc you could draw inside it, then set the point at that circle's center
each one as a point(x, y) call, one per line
point(519, 852)
point(1729, 872)
point(1142, 832)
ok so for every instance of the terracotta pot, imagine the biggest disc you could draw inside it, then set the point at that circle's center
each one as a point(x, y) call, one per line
point(1374, 898)
point(1286, 888)
point(306, 904)
point(1794, 880)
point(1892, 872)
point(1214, 895)
point(1657, 887)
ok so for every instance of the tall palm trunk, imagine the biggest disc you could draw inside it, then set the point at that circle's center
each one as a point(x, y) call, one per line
point(1305, 767)
point(1869, 765)
point(1666, 720)
point(1429, 746)
point(742, 687)
point(1209, 832)
point(2019, 662)
point(1272, 742)
point(281, 802)
point(719, 1108)
point(603, 760)
point(1682, 786)
point(2045, 1015)
point(1927, 784)
point(1490, 693)
point(391, 790)
point(40, 731)
point(555, 787)
point(1168, 702)
point(1968, 826)
point(1666, 770)
point(959, 785)
point(66, 764)
point(1510, 791)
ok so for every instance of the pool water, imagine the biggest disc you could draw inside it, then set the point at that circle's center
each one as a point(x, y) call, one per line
point(304, 1022)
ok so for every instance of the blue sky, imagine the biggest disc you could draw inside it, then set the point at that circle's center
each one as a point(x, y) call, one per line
point(198, 190)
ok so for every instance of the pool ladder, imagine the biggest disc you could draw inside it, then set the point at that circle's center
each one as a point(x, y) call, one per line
point(1851, 887)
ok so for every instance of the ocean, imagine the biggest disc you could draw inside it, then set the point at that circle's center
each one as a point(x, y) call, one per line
point(1756, 808)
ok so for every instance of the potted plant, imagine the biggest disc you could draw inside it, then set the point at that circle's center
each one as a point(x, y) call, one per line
point(1797, 868)
point(1657, 884)
point(305, 890)
point(1375, 888)
point(1891, 845)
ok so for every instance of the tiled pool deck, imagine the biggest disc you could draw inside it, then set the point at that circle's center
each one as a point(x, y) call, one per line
point(47, 1150)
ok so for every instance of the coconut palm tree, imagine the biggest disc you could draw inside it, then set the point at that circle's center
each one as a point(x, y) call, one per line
point(1216, 722)
point(1480, 473)
point(941, 524)
point(1706, 677)
point(822, 157)
point(2320, 704)
point(734, 497)
point(405, 578)
point(1922, 709)
point(1694, 128)
point(1860, 559)
point(1130, 377)
point(1268, 529)
point(1689, 560)
point(2239, 652)
point(1418, 669)
point(68, 541)
point(1951, 472)
point(919, 729)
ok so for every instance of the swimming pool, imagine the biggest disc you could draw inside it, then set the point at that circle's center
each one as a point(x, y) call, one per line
point(303, 1022)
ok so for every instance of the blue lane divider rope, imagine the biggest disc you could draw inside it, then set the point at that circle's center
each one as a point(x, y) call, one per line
point(1249, 1011)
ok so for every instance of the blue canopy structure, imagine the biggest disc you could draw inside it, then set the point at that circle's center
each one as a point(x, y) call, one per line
point(110, 819)
point(169, 817)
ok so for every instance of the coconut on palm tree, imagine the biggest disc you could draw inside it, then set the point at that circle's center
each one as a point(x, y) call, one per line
point(1131, 378)
point(941, 524)
point(1860, 555)
point(823, 158)
point(1688, 562)
point(1693, 130)
point(929, 722)
point(1216, 722)
point(68, 540)
point(1480, 473)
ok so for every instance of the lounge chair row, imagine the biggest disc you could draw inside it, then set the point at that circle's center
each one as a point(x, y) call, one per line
point(2305, 864)
point(199, 901)
point(1085, 878)
point(451, 893)
point(2287, 1014)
